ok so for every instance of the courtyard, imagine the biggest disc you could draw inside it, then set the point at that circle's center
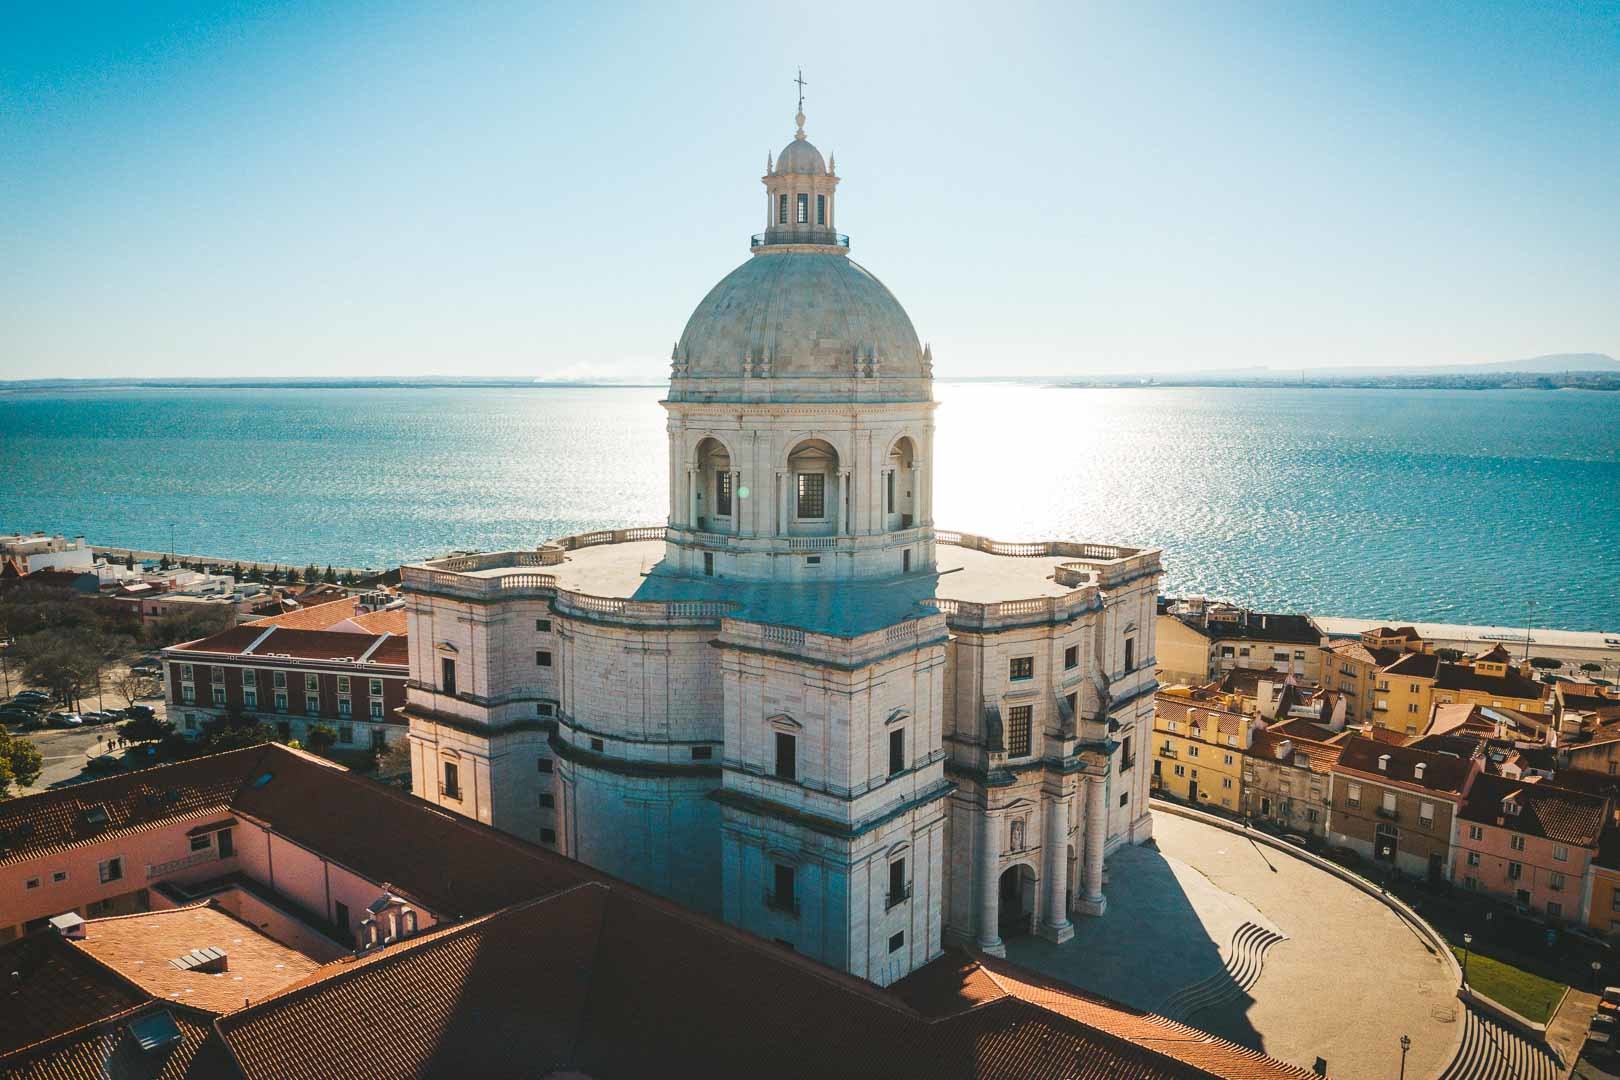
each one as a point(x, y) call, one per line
point(1268, 950)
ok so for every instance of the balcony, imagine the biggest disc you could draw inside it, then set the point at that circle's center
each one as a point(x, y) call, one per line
point(1387, 814)
point(814, 236)
point(1168, 752)
point(895, 899)
point(446, 792)
point(196, 858)
point(787, 905)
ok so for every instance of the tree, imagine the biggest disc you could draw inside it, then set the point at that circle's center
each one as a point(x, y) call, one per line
point(394, 763)
point(1545, 663)
point(165, 564)
point(145, 729)
point(202, 620)
point(255, 573)
point(1591, 667)
point(329, 577)
point(132, 686)
point(66, 662)
point(1450, 656)
point(233, 731)
point(236, 571)
point(20, 762)
point(129, 561)
point(312, 573)
point(320, 739)
point(292, 575)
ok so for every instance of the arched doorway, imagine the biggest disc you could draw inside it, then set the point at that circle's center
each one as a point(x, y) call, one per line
point(900, 486)
point(1016, 909)
point(714, 500)
point(814, 501)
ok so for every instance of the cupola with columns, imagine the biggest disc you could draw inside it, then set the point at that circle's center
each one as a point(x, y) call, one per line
point(800, 407)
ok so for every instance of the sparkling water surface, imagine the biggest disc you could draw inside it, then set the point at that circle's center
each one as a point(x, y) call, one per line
point(1444, 506)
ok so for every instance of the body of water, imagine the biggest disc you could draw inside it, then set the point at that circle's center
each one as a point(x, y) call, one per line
point(1443, 506)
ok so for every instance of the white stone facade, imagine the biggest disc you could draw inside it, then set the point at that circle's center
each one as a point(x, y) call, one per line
point(798, 705)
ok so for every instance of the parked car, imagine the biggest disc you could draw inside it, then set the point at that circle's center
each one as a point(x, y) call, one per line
point(65, 720)
point(99, 717)
point(30, 697)
point(140, 712)
point(33, 724)
point(104, 763)
point(1609, 1003)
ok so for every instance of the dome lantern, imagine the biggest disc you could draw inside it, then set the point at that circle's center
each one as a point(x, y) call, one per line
point(799, 196)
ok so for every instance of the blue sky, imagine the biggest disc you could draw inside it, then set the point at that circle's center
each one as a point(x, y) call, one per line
point(526, 189)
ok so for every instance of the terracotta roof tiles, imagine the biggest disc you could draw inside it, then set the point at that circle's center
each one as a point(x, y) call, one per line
point(314, 616)
point(1443, 774)
point(1558, 814)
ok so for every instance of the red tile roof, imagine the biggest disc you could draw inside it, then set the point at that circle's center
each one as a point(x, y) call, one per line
point(1199, 713)
point(1415, 665)
point(107, 1048)
point(1319, 757)
point(313, 617)
point(1558, 814)
point(270, 642)
point(1511, 685)
point(1443, 774)
point(388, 621)
point(57, 988)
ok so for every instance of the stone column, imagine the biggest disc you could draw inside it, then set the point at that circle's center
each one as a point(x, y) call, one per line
point(736, 502)
point(1092, 901)
point(1056, 926)
point(691, 496)
point(919, 498)
point(989, 886)
point(843, 501)
point(783, 486)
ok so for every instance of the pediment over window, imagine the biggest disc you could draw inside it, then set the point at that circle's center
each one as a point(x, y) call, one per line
point(896, 717)
point(784, 722)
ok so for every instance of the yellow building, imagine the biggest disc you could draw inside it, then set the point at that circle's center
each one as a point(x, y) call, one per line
point(1352, 666)
point(1403, 692)
point(1491, 679)
point(1198, 745)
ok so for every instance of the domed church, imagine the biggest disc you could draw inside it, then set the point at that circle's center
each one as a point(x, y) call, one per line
point(797, 704)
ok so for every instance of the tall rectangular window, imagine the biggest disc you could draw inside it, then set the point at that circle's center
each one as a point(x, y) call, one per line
point(1130, 654)
point(812, 495)
point(1071, 657)
point(111, 870)
point(781, 209)
point(1019, 719)
point(447, 676)
point(787, 756)
point(219, 695)
point(1021, 667)
point(804, 209)
point(781, 895)
point(821, 209)
point(452, 780)
point(722, 493)
point(708, 564)
point(888, 492)
point(345, 707)
point(897, 751)
point(898, 890)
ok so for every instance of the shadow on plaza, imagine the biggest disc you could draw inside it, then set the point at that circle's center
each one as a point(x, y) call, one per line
point(1152, 945)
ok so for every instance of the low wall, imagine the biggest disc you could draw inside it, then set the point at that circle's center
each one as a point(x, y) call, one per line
point(1419, 925)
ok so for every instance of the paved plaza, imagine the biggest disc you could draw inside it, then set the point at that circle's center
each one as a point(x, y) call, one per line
point(1345, 982)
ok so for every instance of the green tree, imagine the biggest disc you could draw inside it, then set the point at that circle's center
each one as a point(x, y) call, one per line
point(1591, 667)
point(236, 571)
point(292, 575)
point(129, 561)
point(312, 573)
point(329, 577)
point(165, 564)
point(145, 729)
point(233, 731)
point(67, 662)
point(320, 739)
point(1545, 663)
point(20, 762)
point(199, 621)
point(1450, 656)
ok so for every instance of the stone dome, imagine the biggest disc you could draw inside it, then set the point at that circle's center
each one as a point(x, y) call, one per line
point(801, 156)
point(807, 314)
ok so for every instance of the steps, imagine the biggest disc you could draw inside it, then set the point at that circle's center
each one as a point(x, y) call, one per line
point(1492, 1052)
point(1243, 963)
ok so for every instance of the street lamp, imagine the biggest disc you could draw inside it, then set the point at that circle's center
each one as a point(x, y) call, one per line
point(1406, 1044)
point(1468, 941)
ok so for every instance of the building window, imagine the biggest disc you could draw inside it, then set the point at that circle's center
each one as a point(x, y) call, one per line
point(1124, 797)
point(1352, 796)
point(780, 898)
point(897, 941)
point(542, 626)
point(708, 564)
point(803, 215)
point(1554, 908)
point(312, 705)
point(1299, 654)
point(1561, 853)
point(345, 707)
point(1516, 842)
point(1192, 751)
point(201, 843)
point(722, 493)
point(281, 703)
point(247, 677)
point(250, 699)
point(1127, 753)
point(821, 209)
point(343, 684)
point(219, 695)
point(111, 870)
point(312, 682)
point(545, 708)
point(1226, 759)
point(548, 802)
point(1071, 658)
point(899, 887)
point(447, 675)
point(1426, 815)
point(702, 753)
point(376, 710)
point(376, 688)
point(888, 492)
point(897, 751)
point(1473, 858)
point(1019, 724)
point(1226, 782)
point(346, 733)
point(33, 883)
point(1021, 667)
point(278, 679)
point(812, 495)
point(1515, 871)
point(451, 788)
point(186, 673)
point(188, 694)
point(787, 764)
point(781, 209)
point(542, 657)
point(544, 765)
point(1181, 770)
point(1130, 654)
point(548, 836)
point(1475, 832)
point(1555, 881)
point(597, 746)
point(58, 877)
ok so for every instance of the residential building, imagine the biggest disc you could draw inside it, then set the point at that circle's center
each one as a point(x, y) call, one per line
point(1398, 805)
point(351, 680)
point(267, 956)
point(1403, 692)
point(1287, 781)
point(1200, 640)
point(39, 551)
point(1198, 748)
point(796, 703)
point(1531, 843)
point(1490, 678)
point(1352, 665)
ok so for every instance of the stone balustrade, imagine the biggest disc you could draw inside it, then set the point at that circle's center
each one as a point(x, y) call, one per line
point(862, 648)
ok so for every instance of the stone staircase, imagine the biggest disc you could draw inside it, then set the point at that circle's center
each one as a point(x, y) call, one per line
point(1243, 963)
point(1492, 1052)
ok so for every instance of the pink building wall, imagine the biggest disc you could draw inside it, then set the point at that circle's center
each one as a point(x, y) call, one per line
point(1496, 852)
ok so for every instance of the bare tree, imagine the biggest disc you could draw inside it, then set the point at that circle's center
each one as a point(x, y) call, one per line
point(132, 686)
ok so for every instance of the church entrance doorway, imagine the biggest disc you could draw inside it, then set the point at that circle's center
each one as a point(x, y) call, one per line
point(1016, 912)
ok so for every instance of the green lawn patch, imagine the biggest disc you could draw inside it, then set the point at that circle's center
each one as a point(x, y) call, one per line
point(1531, 996)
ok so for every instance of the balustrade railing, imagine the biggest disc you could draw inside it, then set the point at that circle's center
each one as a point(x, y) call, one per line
point(196, 858)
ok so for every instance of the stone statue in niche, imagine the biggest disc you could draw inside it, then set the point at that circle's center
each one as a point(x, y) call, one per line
point(1017, 834)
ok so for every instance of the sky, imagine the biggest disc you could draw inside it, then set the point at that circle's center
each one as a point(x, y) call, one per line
point(526, 189)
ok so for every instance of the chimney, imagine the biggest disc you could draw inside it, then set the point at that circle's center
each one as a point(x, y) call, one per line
point(1383, 763)
point(70, 925)
point(1417, 770)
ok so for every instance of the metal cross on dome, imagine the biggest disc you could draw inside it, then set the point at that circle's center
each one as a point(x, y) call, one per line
point(801, 84)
